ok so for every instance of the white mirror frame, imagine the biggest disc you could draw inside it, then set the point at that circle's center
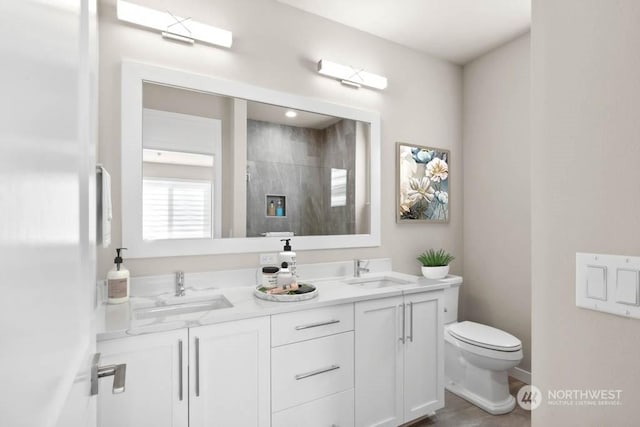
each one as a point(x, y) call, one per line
point(134, 74)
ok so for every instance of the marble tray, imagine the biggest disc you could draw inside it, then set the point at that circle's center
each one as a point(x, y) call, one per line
point(284, 297)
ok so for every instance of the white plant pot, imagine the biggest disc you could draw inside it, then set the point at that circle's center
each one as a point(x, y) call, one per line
point(435, 272)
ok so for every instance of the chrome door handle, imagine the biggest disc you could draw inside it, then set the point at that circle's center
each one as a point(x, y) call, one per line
point(180, 368)
point(197, 366)
point(317, 372)
point(315, 325)
point(403, 327)
point(410, 337)
point(119, 373)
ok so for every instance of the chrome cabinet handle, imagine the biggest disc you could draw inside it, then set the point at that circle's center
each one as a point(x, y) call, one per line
point(180, 368)
point(403, 327)
point(317, 372)
point(315, 325)
point(197, 366)
point(410, 337)
point(119, 373)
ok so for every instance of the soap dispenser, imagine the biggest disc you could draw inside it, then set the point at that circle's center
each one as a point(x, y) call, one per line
point(118, 281)
point(288, 256)
point(285, 278)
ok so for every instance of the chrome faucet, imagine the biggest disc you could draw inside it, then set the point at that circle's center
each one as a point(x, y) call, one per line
point(180, 284)
point(357, 269)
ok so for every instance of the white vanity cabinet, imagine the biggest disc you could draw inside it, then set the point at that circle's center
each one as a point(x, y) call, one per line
point(156, 381)
point(399, 359)
point(313, 367)
point(206, 376)
point(229, 374)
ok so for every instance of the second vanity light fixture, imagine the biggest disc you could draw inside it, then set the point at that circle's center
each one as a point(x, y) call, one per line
point(172, 26)
point(351, 76)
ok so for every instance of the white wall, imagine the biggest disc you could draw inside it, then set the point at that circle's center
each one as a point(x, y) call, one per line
point(497, 219)
point(585, 187)
point(277, 46)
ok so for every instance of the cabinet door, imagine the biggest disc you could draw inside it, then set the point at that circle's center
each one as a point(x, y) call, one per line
point(423, 355)
point(156, 381)
point(229, 374)
point(379, 362)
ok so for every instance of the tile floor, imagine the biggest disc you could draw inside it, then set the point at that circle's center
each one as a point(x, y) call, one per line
point(457, 412)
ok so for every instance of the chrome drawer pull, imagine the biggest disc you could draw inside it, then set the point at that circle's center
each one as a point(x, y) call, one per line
point(180, 368)
point(410, 337)
point(197, 367)
point(315, 325)
point(317, 372)
point(401, 339)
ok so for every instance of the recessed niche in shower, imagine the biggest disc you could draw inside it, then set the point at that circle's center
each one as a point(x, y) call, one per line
point(276, 205)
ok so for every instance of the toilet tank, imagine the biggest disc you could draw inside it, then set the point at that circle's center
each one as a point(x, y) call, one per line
point(450, 302)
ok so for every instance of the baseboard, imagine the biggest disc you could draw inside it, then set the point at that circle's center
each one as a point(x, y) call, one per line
point(520, 374)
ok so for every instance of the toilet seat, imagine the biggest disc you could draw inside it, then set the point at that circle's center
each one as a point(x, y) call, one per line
point(484, 336)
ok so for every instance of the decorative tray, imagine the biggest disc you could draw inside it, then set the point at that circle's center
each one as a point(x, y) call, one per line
point(291, 296)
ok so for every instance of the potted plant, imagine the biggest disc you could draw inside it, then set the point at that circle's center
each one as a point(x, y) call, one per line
point(435, 264)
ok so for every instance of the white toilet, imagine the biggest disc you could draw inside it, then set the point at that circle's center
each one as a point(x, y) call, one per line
point(477, 359)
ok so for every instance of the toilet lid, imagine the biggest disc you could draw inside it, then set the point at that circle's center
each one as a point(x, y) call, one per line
point(484, 336)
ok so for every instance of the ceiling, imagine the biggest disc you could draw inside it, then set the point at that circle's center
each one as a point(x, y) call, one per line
point(276, 114)
point(455, 30)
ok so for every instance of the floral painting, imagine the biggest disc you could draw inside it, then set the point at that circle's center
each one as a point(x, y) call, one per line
point(423, 178)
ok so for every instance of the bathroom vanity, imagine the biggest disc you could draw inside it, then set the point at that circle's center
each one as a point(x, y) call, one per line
point(366, 351)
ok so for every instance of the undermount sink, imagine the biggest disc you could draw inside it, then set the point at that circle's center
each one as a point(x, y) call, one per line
point(177, 308)
point(376, 282)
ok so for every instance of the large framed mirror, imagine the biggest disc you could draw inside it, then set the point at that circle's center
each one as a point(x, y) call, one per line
point(211, 166)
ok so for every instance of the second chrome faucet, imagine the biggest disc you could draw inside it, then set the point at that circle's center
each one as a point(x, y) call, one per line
point(180, 291)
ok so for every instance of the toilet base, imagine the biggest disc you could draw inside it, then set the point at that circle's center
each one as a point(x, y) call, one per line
point(494, 408)
point(480, 380)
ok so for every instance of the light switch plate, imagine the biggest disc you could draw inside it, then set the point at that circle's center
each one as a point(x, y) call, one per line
point(608, 283)
point(269, 259)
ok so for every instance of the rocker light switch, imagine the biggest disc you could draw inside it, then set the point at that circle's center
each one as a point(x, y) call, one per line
point(597, 282)
point(627, 286)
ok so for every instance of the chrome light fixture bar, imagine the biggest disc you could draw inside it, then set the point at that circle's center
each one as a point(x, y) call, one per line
point(351, 76)
point(172, 26)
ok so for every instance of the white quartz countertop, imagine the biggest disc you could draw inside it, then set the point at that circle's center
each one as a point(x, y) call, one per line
point(117, 321)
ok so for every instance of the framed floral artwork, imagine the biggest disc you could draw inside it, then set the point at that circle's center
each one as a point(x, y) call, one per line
point(422, 184)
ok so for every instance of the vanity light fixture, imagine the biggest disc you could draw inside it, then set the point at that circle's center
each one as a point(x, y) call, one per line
point(172, 26)
point(291, 114)
point(351, 76)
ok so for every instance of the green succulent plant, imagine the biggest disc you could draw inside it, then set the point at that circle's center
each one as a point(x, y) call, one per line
point(433, 258)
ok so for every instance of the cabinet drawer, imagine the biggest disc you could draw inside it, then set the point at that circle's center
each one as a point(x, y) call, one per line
point(308, 324)
point(309, 370)
point(335, 410)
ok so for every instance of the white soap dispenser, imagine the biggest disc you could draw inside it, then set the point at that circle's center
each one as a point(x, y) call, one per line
point(285, 278)
point(118, 281)
point(288, 256)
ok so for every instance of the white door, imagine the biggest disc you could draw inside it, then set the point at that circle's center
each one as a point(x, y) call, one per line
point(423, 355)
point(379, 362)
point(47, 211)
point(229, 374)
point(156, 393)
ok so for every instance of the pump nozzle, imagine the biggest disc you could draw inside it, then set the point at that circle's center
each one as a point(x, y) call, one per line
point(287, 246)
point(118, 258)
